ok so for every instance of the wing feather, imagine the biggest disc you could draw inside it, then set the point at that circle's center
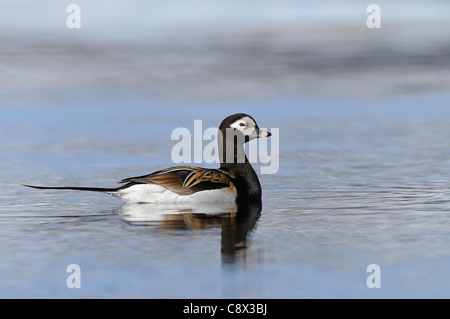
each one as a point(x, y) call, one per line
point(186, 180)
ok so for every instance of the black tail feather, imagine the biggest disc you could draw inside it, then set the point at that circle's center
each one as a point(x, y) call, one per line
point(90, 189)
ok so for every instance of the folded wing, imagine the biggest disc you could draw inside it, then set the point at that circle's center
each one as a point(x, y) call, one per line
point(186, 180)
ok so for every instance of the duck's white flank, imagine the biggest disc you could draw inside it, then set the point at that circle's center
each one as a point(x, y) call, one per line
point(151, 193)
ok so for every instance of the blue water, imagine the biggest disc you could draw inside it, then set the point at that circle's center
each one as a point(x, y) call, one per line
point(358, 184)
point(364, 158)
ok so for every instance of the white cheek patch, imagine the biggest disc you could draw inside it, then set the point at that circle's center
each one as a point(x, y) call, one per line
point(249, 127)
point(249, 131)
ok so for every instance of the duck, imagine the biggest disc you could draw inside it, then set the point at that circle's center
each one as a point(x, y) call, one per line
point(235, 181)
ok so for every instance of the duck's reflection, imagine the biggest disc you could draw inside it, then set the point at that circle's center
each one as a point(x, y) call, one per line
point(235, 221)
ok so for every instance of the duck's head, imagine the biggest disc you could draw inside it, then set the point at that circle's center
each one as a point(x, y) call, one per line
point(244, 124)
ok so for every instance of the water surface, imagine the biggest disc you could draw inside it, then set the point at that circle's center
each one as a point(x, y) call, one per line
point(359, 183)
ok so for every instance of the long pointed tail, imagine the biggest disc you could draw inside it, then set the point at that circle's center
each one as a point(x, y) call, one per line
point(90, 189)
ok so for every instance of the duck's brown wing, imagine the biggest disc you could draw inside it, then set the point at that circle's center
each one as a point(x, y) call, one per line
point(186, 180)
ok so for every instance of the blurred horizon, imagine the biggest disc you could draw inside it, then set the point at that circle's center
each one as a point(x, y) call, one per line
point(203, 51)
point(139, 19)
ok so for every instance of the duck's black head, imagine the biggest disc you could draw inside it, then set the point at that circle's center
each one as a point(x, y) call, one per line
point(234, 132)
point(244, 124)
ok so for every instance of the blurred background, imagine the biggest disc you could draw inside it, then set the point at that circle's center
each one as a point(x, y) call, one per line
point(211, 51)
point(364, 122)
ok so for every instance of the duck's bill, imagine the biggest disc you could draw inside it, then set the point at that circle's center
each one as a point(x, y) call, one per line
point(263, 133)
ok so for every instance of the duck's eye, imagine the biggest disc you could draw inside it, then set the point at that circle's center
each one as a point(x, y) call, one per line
point(242, 124)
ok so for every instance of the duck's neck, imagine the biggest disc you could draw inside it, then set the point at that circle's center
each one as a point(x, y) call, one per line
point(233, 158)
